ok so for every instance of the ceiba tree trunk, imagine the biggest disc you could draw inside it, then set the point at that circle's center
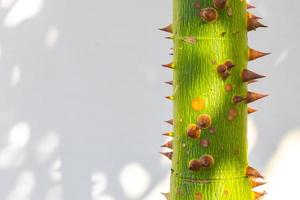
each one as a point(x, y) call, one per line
point(210, 97)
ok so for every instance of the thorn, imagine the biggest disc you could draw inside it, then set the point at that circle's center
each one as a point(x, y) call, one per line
point(253, 24)
point(170, 134)
point(252, 96)
point(253, 54)
point(251, 110)
point(252, 172)
point(170, 121)
point(237, 99)
point(259, 195)
point(166, 195)
point(251, 16)
point(220, 4)
point(208, 14)
point(255, 183)
point(249, 6)
point(167, 29)
point(170, 65)
point(248, 75)
point(170, 97)
point(167, 154)
point(168, 144)
point(169, 82)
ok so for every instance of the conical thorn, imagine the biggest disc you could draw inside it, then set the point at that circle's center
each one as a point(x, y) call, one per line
point(170, 121)
point(248, 75)
point(252, 96)
point(169, 82)
point(251, 110)
point(252, 172)
point(253, 24)
point(169, 65)
point(167, 154)
point(167, 29)
point(168, 144)
point(259, 195)
point(255, 183)
point(170, 134)
point(253, 54)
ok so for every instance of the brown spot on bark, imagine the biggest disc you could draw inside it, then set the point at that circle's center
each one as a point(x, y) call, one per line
point(208, 14)
point(193, 131)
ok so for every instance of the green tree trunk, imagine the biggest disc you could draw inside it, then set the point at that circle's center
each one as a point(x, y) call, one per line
point(210, 95)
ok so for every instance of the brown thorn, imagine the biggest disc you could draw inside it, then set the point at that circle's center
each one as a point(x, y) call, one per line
point(255, 183)
point(259, 195)
point(167, 29)
point(170, 65)
point(170, 97)
point(252, 96)
point(253, 24)
point(166, 195)
point(170, 134)
point(248, 75)
point(171, 122)
point(253, 54)
point(169, 82)
point(167, 154)
point(168, 144)
point(252, 172)
point(251, 110)
point(251, 16)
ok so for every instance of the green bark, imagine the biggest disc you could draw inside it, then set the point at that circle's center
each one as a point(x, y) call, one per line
point(200, 48)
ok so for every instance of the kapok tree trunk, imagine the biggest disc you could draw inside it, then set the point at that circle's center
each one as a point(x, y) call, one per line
point(210, 95)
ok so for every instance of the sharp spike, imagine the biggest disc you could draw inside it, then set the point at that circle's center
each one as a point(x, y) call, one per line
point(253, 24)
point(169, 82)
point(252, 96)
point(168, 144)
point(255, 183)
point(249, 6)
point(237, 99)
point(252, 172)
point(170, 121)
point(167, 29)
point(248, 75)
point(251, 110)
point(170, 97)
point(253, 54)
point(251, 16)
point(166, 195)
point(170, 134)
point(170, 65)
point(259, 195)
point(167, 154)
